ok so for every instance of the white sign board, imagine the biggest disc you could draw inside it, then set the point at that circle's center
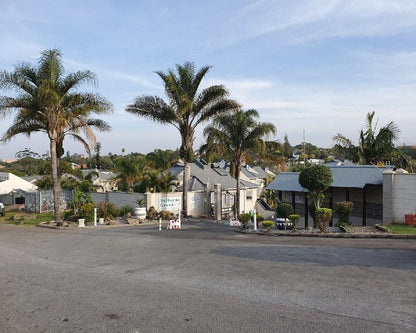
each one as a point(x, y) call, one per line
point(170, 204)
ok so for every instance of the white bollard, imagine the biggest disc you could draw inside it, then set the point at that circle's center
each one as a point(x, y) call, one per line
point(255, 220)
point(160, 224)
point(95, 217)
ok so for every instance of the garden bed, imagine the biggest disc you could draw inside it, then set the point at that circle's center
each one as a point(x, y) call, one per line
point(335, 232)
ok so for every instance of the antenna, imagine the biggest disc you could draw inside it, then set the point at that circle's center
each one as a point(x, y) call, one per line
point(304, 153)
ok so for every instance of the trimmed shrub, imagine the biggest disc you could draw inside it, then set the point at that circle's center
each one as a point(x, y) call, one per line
point(294, 218)
point(316, 180)
point(323, 216)
point(259, 218)
point(268, 225)
point(344, 211)
point(284, 210)
point(107, 211)
point(244, 218)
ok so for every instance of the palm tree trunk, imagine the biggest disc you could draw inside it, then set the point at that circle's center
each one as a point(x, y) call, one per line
point(186, 173)
point(56, 186)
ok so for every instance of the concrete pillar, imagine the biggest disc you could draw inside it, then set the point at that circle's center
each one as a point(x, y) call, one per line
point(388, 207)
point(207, 199)
point(218, 201)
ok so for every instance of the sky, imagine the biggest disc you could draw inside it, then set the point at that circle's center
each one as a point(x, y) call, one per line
point(313, 65)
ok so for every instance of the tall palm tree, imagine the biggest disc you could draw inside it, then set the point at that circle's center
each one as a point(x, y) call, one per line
point(186, 107)
point(373, 146)
point(237, 134)
point(48, 101)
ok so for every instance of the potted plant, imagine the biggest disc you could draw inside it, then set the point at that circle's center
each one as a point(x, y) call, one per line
point(140, 211)
point(283, 211)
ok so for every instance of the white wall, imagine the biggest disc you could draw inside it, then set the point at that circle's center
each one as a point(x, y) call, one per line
point(399, 196)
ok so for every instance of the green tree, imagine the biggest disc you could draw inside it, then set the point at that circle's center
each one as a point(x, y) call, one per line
point(187, 106)
point(131, 169)
point(49, 101)
point(287, 148)
point(160, 159)
point(316, 180)
point(373, 146)
point(236, 134)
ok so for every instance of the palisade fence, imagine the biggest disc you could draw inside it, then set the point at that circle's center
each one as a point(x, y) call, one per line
point(42, 201)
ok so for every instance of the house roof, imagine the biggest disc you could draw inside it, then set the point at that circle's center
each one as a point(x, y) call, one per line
point(356, 176)
point(202, 174)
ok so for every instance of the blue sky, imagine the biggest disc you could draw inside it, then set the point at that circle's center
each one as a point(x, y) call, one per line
point(320, 65)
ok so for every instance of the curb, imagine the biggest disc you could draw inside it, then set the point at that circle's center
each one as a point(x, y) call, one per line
point(334, 235)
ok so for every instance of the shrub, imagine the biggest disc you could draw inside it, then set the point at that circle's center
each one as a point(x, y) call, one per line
point(244, 218)
point(344, 211)
point(294, 218)
point(165, 215)
point(259, 218)
point(284, 210)
point(87, 211)
point(152, 213)
point(124, 210)
point(323, 216)
point(107, 211)
point(268, 225)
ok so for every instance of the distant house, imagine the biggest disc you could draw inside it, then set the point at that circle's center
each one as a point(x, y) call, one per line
point(10, 182)
point(205, 177)
point(13, 188)
point(102, 180)
point(361, 184)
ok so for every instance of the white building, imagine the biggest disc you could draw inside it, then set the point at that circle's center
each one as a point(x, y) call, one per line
point(10, 182)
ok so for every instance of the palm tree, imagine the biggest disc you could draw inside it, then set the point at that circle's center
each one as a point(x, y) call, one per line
point(373, 146)
point(186, 107)
point(48, 101)
point(130, 169)
point(237, 134)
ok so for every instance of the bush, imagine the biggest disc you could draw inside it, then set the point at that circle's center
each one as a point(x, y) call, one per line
point(268, 225)
point(124, 210)
point(344, 211)
point(87, 211)
point(244, 218)
point(323, 216)
point(259, 218)
point(152, 213)
point(294, 218)
point(107, 211)
point(165, 215)
point(284, 210)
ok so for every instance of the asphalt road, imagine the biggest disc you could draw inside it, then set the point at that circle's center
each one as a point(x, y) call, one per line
point(204, 278)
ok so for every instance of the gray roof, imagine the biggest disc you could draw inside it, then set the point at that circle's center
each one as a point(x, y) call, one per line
point(343, 176)
point(286, 181)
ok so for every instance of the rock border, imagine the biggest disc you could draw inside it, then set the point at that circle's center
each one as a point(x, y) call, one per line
point(329, 235)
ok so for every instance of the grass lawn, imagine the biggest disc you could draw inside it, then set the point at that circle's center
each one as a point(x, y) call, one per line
point(25, 218)
point(401, 228)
